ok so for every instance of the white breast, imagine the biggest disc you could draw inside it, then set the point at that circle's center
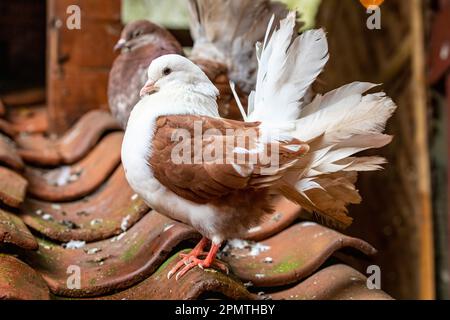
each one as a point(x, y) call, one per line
point(136, 150)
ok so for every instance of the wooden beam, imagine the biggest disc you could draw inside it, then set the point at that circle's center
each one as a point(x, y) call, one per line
point(78, 61)
point(424, 217)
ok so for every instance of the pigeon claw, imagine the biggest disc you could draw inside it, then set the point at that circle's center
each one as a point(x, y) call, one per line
point(190, 262)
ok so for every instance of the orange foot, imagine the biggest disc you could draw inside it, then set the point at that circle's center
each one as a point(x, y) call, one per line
point(191, 260)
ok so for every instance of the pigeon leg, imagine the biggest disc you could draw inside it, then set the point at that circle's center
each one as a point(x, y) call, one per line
point(209, 261)
point(187, 257)
point(198, 249)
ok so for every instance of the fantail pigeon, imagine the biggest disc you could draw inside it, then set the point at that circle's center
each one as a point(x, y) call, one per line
point(219, 175)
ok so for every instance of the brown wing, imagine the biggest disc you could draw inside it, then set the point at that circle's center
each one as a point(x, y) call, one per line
point(203, 158)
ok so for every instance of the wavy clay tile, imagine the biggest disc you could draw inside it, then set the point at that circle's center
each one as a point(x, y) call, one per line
point(111, 264)
point(115, 205)
point(8, 154)
point(14, 231)
point(12, 187)
point(75, 181)
point(19, 281)
point(288, 256)
point(72, 146)
point(337, 282)
point(195, 284)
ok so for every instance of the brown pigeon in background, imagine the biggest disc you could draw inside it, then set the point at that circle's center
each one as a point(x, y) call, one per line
point(224, 33)
point(140, 43)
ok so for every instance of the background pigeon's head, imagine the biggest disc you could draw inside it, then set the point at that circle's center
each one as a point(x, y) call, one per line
point(173, 71)
point(138, 33)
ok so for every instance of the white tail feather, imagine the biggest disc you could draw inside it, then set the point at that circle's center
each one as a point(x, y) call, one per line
point(286, 70)
point(336, 125)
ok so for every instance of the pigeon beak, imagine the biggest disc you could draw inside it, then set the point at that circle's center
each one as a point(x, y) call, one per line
point(120, 44)
point(148, 88)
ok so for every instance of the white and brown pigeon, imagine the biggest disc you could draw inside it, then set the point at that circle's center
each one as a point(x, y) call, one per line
point(219, 175)
point(224, 35)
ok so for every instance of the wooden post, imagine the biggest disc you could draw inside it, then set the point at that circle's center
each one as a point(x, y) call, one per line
point(78, 61)
point(424, 218)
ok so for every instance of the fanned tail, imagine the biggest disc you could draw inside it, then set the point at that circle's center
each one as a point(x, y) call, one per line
point(336, 126)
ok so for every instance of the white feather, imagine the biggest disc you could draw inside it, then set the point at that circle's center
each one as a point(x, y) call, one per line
point(286, 71)
point(336, 125)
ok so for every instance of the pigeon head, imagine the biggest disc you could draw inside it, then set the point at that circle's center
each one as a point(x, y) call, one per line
point(138, 33)
point(173, 71)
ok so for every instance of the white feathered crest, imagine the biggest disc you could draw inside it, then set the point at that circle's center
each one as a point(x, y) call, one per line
point(336, 125)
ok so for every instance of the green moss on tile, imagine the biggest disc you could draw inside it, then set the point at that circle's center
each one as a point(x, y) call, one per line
point(131, 252)
point(286, 266)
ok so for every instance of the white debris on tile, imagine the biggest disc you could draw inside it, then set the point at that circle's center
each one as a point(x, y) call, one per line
point(254, 229)
point(119, 237)
point(268, 260)
point(74, 244)
point(253, 248)
point(257, 248)
point(47, 217)
point(39, 212)
point(320, 234)
point(73, 177)
point(308, 224)
point(248, 284)
point(277, 216)
point(236, 244)
point(96, 221)
point(260, 275)
point(124, 223)
point(168, 226)
point(56, 206)
point(59, 177)
point(134, 196)
point(93, 250)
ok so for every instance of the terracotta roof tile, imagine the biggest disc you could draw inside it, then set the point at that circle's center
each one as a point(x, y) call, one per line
point(133, 264)
point(337, 282)
point(195, 284)
point(7, 129)
point(38, 150)
point(75, 181)
point(286, 213)
point(111, 264)
point(12, 187)
point(14, 231)
point(18, 281)
point(2, 108)
point(114, 203)
point(8, 154)
point(73, 145)
point(290, 255)
point(29, 119)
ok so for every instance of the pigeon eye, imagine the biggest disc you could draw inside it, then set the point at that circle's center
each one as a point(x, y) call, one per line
point(167, 71)
point(137, 33)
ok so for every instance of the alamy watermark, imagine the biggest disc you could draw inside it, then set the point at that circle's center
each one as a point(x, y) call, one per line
point(241, 147)
point(374, 277)
point(74, 279)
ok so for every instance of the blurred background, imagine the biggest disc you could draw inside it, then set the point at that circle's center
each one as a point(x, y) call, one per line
point(405, 208)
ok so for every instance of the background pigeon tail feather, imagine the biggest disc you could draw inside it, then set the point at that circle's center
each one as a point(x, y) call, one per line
point(229, 36)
